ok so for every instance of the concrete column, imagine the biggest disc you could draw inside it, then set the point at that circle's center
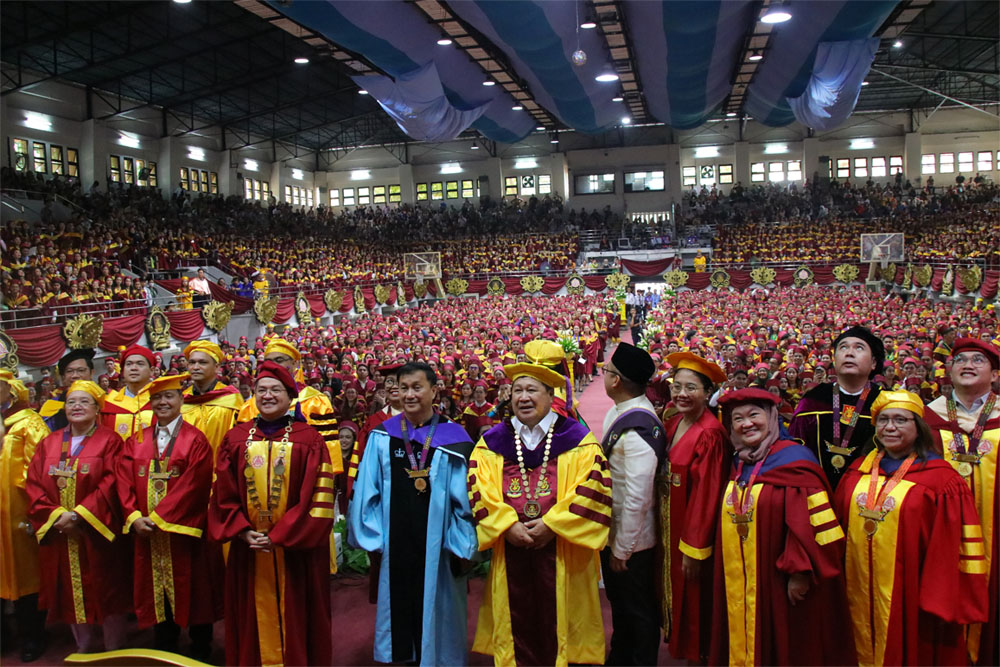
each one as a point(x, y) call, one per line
point(672, 173)
point(88, 145)
point(741, 163)
point(911, 157)
point(278, 180)
point(166, 176)
point(407, 186)
point(491, 170)
point(559, 169)
point(810, 158)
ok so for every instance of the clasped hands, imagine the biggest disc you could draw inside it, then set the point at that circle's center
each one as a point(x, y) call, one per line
point(258, 541)
point(532, 534)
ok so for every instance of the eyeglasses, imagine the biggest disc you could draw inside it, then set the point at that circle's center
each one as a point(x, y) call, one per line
point(689, 388)
point(971, 359)
point(272, 391)
point(896, 421)
point(85, 402)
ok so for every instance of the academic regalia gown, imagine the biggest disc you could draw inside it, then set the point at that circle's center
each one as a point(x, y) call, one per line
point(922, 574)
point(984, 640)
point(793, 530)
point(277, 602)
point(421, 602)
point(213, 413)
point(474, 417)
point(86, 577)
point(542, 607)
point(176, 563)
point(690, 493)
point(812, 423)
point(19, 564)
point(127, 414)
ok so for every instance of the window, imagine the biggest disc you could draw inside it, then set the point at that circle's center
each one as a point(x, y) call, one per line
point(946, 163)
point(56, 159)
point(38, 152)
point(643, 181)
point(20, 148)
point(878, 167)
point(860, 167)
point(128, 168)
point(334, 197)
point(794, 172)
point(437, 191)
point(116, 170)
point(421, 192)
point(843, 167)
point(310, 194)
point(964, 161)
point(725, 174)
point(184, 174)
point(510, 186)
point(248, 188)
point(151, 177)
point(468, 189)
point(927, 164)
point(140, 173)
point(204, 181)
point(689, 176)
point(985, 161)
point(395, 194)
point(451, 190)
point(528, 185)
point(775, 172)
point(895, 164)
point(378, 194)
point(265, 191)
point(757, 173)
point(288, 194)
point(544, 184)
point(348, 196)
point(592, 184)
point(364, 196)
point(214, 180)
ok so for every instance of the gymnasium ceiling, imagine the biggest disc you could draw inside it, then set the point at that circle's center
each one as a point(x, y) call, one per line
point(681, 63)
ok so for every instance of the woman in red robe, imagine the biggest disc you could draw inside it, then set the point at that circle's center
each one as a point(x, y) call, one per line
point(77, 520)
point(690, 492)
point(779, 590)
point(273, 499)
point(916, 565)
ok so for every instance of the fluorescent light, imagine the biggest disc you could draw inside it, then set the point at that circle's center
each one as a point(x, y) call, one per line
point(451, 168)
point(297, 174)
point(776, 14)
point(301, 61)
point(755, 56)
point(607, 75)
point(898, 44)
point(444, 41)
point(489, 82)
point(128, 140)
point(37, 122)
point(706, 151)
point(626, 120)
point(618, 98)
point(554, 140)
point(196, 154)
point(588, 24)
point(864, 83)
point(540, 128)
point(862, 144)
point(362, 92)
point(731, 114)
point(182, 2)
point(525, 163)
point(475, 147)
point(774, 149)
point(360, 175)
point(516, 107)
point(250, 164)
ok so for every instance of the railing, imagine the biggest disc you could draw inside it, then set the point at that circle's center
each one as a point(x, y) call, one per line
point(35, 195)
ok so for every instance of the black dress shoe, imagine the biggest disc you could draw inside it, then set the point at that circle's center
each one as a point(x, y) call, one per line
point(32, 651)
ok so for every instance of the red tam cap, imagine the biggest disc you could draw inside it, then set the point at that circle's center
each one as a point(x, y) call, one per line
point(271, 369)
point(143, 352)
point(748, 395)
point(990, 351)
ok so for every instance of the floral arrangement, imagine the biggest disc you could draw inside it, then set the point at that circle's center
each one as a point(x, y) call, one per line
point(355, 560)
point(569, 344)
point(653, 329)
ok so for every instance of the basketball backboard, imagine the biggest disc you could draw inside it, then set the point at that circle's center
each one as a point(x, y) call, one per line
point(422, 265)
point(882, 247)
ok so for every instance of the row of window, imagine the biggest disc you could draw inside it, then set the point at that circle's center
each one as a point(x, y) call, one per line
point(525, 185)
point(635, 181)
point(299, 196)
point(199, 180)
point(46, 158)
point(256, 190)
point(866, 167)
point(366, 195)
point(710, 174)
point(944, 163)
point(132, 170)
point(438, 190)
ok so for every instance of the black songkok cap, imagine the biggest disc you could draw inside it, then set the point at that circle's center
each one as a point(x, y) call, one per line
point(85, 354)
point(874, 342)
point(633, 363)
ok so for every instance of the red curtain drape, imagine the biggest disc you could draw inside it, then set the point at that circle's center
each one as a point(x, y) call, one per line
point(369, 294)
point(937, 279)
point(513, 286)
point(476, 287)
point(317, 308)
point(595, 283)
point(553, 285)
point(408, 292)
point(348, 302)
point(39, 346)
point(125, 331)
point(988, 289)
point(698, 280)
point(285, 311)
point(185, 325)
point(646, 269)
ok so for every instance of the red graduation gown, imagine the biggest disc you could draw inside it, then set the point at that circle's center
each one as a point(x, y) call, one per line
point(793, 531)
point(690, 495)
point(177, 563)
point(922, 575)
point(84, 579)
point(277, 603)
point(474, 418)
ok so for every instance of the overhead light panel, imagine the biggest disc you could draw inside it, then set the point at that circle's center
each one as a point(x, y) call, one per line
point(525, 163)
point(128, 140)
point(731, 114)
point(864, 83)
point(362, 92)
point(196, 154)
point(618, 98)
point(898, 44)
point(250, 165)
point(444, 41)
point(517, 107)
point(301, 61)
point(37, 121)
point(776, 13)
point(756, 56)
point(626, 120)
point(588, 24)
point(553, 138)
point(862, 144)
point(775, 149)
point(489, 82)
point(474, 147)
point(451, 168)
point(182, 2)
point(607, 75)
point(360, 175)
point(297, 174)
point(540, 128)
point(706, 151)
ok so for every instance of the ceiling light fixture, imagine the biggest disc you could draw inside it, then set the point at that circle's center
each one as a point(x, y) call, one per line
point(182, 2)
point(540, 128)
point(898, 44)
point(444, 41)
point(706, 151)
point(517, 107)
point(776, 13)
point(755, 56)
point(475, 147)
point(489, 82)
point(606, 75)
point(525, 163)
point(864, 83)
point(626, 120)
point(301, 61)
point(731, 114)
point(362, 92)
point(617, 98)
point(861, 144)
point(588, 24)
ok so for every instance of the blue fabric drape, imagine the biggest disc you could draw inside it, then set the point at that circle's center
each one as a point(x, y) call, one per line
point(833, 88)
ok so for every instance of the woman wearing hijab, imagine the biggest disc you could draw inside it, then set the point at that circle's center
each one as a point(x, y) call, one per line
point(779, 582)
point(916, 568)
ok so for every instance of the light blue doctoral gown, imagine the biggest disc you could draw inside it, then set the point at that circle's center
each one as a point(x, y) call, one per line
point(449, 530)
